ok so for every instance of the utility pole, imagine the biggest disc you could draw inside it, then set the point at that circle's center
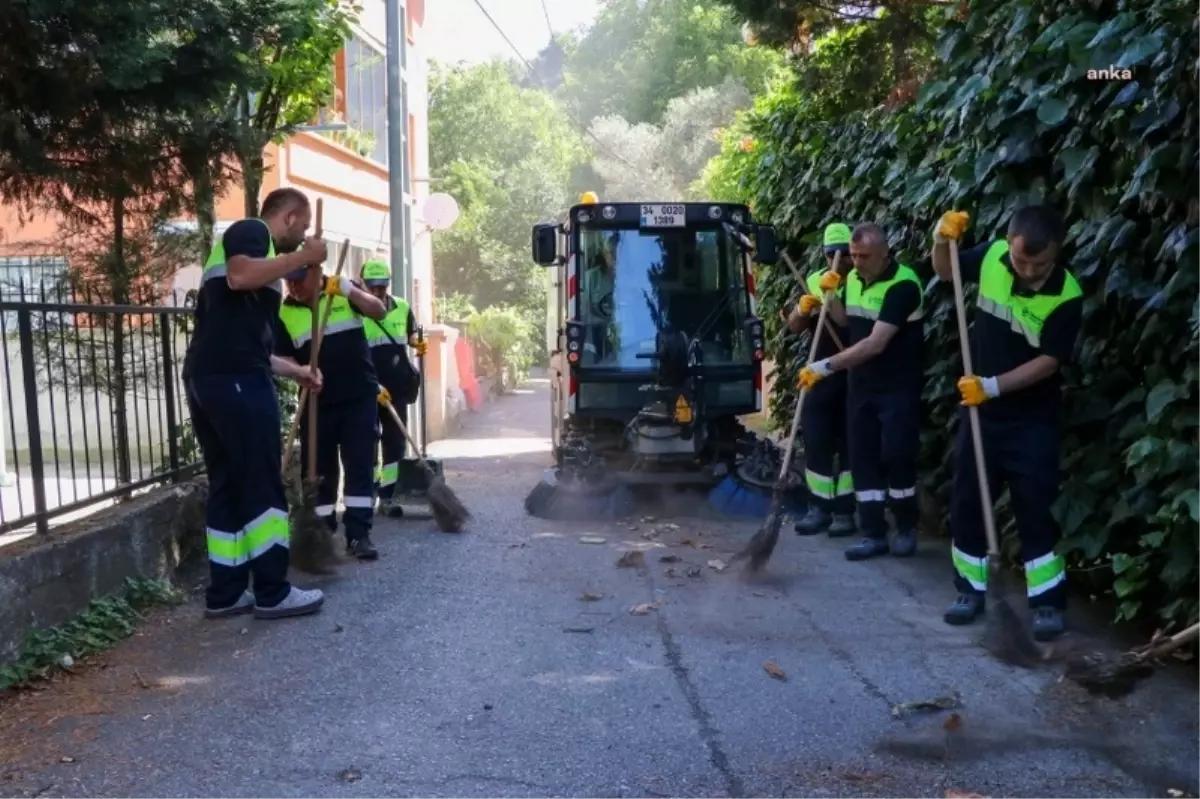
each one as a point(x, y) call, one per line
point(397, 149)
point(399, 210)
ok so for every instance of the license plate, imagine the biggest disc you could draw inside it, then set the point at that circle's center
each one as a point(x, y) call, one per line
point(663, 216)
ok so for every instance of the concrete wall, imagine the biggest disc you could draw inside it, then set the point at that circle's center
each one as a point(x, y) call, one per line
point(45, 582)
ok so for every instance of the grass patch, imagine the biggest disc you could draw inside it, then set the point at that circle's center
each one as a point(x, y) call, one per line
point(106, 621)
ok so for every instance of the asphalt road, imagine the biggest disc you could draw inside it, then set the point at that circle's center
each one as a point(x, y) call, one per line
point(472, 665)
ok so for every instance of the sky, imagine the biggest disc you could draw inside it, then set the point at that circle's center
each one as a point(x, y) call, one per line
point(456, 30)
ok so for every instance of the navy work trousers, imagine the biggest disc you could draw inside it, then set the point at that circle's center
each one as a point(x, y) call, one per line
point(884, 428)
point(1022, 454)
point(392, 444)
point(236, 422)
point(826, 447)
point(346, 434)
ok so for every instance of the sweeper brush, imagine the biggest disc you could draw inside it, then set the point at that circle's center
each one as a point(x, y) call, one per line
point(1115, 677)
point(562, 497)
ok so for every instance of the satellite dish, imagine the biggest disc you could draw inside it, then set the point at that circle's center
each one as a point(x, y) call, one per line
point(440, 211)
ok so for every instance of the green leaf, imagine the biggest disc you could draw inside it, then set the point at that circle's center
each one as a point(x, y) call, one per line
point(1139, 50)
point(1160, 398)
point(1189, 499)
point(1052, 111)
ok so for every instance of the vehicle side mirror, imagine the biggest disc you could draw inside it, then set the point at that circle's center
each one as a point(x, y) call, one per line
point(766, 247)
point(545, 244)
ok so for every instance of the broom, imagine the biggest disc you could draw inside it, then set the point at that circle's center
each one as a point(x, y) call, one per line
point(1004, 636)
point(736, 495)
point(762, 543)
point(1117, 677)
point(313, 550)
point(448, 511)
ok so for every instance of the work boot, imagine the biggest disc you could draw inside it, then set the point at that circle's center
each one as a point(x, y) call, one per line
point(966, 609)
point(842, 525)
point(903, 543)
point(867, 548)
point(1047, 623)
point(391, 508)
point(813, 522)
point(362, 548)
point(298, 602)
point(244, 604)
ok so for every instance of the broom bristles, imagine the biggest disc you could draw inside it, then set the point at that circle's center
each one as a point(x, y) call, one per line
point(312, 550)
point(449, 512)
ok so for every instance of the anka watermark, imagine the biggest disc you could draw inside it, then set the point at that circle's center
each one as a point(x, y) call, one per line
point(1111, 73)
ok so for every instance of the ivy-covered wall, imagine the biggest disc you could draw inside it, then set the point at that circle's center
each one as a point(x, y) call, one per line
point(1009, 117)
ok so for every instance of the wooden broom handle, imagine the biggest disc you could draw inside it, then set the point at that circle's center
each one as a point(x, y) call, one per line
point(812, 353)
point(985, 494)
point(799, 278)
point(1171, 644)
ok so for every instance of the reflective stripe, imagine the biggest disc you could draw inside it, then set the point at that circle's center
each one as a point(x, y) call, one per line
point(845, 484)
point(234, 549)
point(227, 549)
point(869, 496)
point(971, 569)
point(902, 493)
point(388, 474)
point(1024, 315)
point(298, 319)
point(394, 323)
point(324, 510)
point(1044, 573)
point(214, 267)
point(865, 302)
point(358, 502)
point(269, 529)
point(819, 484)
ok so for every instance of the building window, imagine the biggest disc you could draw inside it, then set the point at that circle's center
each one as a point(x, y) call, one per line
point(31, 279)
point(365, 97)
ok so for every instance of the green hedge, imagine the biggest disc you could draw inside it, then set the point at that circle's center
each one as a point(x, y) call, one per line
point(1007, 117)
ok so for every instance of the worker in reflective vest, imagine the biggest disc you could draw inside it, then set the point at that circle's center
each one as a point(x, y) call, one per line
point(823, 422)
point(883, 309)
point(235, 411)
point(346, 415)
point(1027, 320)
point(389, 340)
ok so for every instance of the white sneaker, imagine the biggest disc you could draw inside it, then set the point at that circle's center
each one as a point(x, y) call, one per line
point(245, 604)
point(298, 602)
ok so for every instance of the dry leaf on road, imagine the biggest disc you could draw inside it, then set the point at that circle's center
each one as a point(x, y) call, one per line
point(591, 539)
point(668, 559)
point(770, 668)
point(694, 571)
point(950, 702)
point(590, 596)
point(642, 610)
point(631, 559)
point(718, 565)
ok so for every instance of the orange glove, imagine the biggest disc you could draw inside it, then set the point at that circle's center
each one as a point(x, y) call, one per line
point(813, 374)
point(952, 225)
point(830, 281)
point(809, 303)
point(978, 390)
point(384, 397)
point(419, 345)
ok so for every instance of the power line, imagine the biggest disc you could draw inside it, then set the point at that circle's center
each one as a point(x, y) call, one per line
point(549, 26)
point(587, 130)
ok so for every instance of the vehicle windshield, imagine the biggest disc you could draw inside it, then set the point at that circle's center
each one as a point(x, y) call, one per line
point(635, 283)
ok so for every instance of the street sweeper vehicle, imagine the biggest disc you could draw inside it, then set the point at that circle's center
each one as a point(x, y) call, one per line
point(655, 349)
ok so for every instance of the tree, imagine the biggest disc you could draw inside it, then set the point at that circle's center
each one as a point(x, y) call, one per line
point(95, 100)
point(507, 155)
point(641, 54)
point(292, 44)
point(644, 161)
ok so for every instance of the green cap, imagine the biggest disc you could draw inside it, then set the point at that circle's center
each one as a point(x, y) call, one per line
point(375, 272)
point(837, 237)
